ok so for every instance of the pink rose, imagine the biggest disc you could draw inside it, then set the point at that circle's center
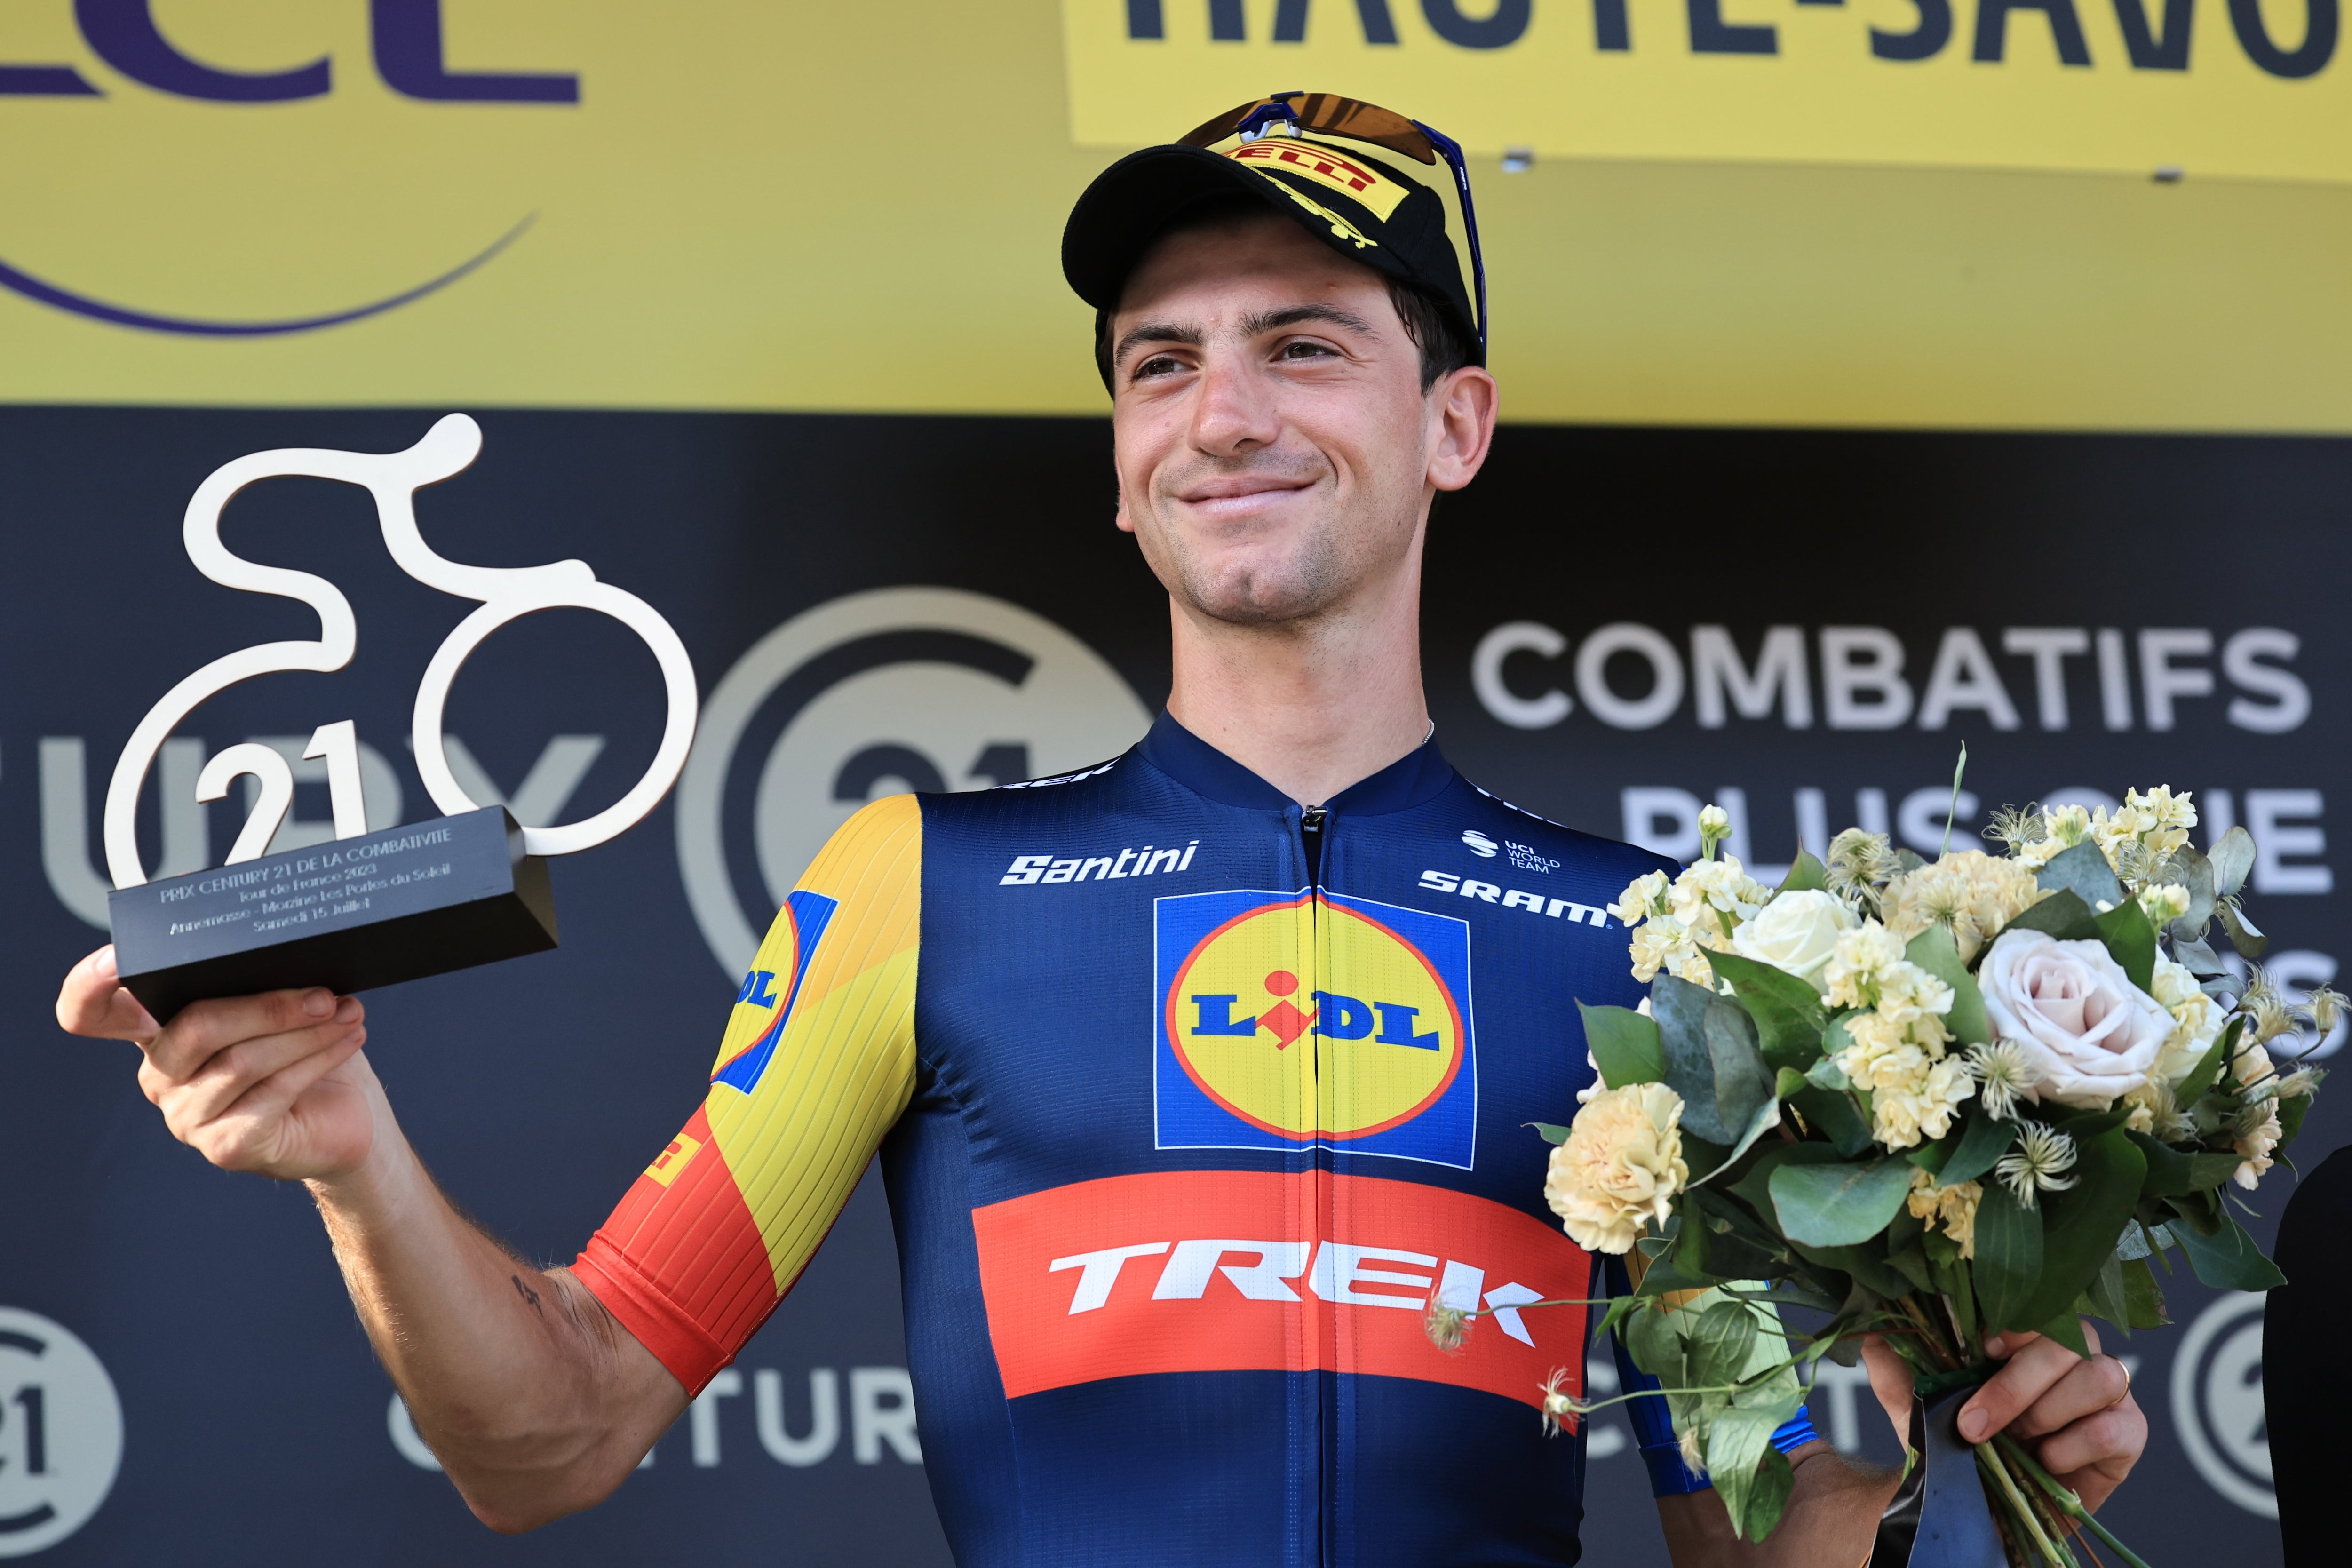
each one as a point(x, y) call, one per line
point(2090, 1034)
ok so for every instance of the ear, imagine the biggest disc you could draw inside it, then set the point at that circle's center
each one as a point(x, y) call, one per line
point(1462, 410)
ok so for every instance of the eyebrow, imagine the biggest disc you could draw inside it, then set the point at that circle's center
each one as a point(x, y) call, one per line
point(1251, 326)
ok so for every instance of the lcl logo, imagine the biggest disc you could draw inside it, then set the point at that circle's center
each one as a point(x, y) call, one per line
point(408, 46)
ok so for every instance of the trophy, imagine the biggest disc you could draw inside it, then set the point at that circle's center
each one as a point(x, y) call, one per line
point(368, 908)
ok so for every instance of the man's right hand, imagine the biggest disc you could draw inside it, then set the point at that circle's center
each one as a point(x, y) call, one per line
point(273, 1084)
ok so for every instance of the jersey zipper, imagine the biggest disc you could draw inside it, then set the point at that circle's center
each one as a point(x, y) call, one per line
point(1323, 1455)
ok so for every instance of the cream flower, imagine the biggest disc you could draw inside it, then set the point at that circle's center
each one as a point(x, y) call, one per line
point(2093, 1035)
point(2155, 1112)
point(2196, 1021)
point(1968, 892)
point(1798, 933)
point(2063, 827)
point(2038, 1163)
point(2156, 820)
point(1902, 1115)
point(1621, 1167)
point(2257, 1134)
point(1644, 895)
point(1660, 942)
point(2003, 1073)
point(1867, 968)
point(1952, 1210)
point(1710, 894)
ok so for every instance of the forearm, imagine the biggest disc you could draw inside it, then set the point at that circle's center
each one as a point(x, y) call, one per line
point(536, 1401)
point(1831, 1520)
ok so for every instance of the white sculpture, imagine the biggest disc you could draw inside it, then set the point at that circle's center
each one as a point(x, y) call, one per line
point(393, 479)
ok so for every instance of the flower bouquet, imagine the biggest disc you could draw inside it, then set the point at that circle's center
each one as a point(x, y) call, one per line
point(1932, 1102)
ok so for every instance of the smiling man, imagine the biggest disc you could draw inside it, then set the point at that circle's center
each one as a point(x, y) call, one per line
point(1165, 1254)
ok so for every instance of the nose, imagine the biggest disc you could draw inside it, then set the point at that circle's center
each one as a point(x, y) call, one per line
point(1235, 409)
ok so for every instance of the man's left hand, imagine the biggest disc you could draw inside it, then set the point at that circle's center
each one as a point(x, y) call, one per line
point(2077, 1417)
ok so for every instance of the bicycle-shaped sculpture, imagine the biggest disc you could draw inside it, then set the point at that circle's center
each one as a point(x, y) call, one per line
point(370, 908)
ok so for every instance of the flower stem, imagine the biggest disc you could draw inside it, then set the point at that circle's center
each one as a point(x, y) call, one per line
point(2066, 1501)
point(1989, 1458)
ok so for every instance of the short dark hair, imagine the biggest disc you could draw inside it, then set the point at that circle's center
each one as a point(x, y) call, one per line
point(1444, 347)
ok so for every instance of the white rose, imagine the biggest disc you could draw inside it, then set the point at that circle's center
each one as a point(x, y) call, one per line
point(2088, 1032)
point(1797, 931)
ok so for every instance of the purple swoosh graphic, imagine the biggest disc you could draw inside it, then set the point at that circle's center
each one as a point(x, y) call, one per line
point(33, 288)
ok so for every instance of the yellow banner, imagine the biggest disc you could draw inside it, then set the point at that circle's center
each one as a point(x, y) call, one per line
point(2240, 88)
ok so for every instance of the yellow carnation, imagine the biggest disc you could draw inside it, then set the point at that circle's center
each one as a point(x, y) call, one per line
point(1621, 1167)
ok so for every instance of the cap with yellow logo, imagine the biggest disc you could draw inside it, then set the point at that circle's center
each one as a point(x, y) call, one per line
point(1288, 155)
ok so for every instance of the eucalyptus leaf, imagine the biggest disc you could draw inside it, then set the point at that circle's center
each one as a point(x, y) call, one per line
point(2197, 957)
point(1838, 1205)
point(2063, 915)
point(2083, 870)
point(2105, 1295)
point(1755, 1187)
point(1623, 1044)
point(2133, 1243)
point(1766, 1116)
point(1711, 1060)
point(2131, 941)
point(2242, 932)
point(2009, 1258)
point(2232, 859)
point(1826, 1072)
point(2229, 1259)
point(1932, 949)
point(1982, 1142)
point(2194, 873)
point(1549, 1131)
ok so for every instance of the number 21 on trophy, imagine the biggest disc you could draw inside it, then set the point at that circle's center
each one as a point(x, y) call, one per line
point(368, 909)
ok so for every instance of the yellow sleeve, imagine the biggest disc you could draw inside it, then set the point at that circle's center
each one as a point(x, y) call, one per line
point(817, 1062)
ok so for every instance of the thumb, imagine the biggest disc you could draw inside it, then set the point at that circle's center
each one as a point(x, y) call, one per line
point(1890, 1379)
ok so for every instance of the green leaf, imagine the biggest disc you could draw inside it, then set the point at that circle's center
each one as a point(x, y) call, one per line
point(2200, 1211)
point(2131, 941)
point(1764, 1496)
point(2066, 1328)
point(1655, 1347)
point(1624, 1044)
point(2105, 1299)
point(1767, 1117)
point(1719, 1345)
point(2233, 857)
point(1839, 1205)
point(1833, 1114)
point(1711, 1060)
point(2243, 934)
point(2143, 1302)
point(2063, 915)
point(2229, 1259)
point(1866, 1268)
point(2172, 1173)
point(1826, 1072)
point(1932, 950)
point(1755, 1187)
point(2198, 958)
point(1911, 1262)
point(2209, 1067)
point(2290, 1113)
point(2009, 1258)
point(2078, 1233)
point(1982, 1142)
point(1549, 1131)
point(1787, 1011)
point(2194, 873)
point(1806, 874)
point(2082, 870)
point(1788, 1081)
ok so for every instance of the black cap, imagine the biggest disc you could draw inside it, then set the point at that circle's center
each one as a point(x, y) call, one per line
point(1361, 207)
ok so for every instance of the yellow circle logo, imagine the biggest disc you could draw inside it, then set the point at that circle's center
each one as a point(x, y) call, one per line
point(1307, 1018)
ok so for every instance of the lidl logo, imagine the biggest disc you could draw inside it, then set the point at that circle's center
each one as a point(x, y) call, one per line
point(1292, 1019)
point(806, 914)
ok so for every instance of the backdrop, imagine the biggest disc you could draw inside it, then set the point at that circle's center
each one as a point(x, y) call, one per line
point(1621, 624)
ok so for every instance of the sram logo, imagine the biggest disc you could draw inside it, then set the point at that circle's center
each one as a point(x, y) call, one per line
point(1235, 1270)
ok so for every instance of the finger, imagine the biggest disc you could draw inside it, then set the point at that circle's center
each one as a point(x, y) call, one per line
point(231, 1072)
point(257, 1122)
point(1890, 1379)
point(2084, 1389)
point(93, 1002)
point(203, 1029)
point(2035, 1363)
point(2106, 1440)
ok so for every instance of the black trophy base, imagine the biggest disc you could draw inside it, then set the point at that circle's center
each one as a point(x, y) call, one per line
point(353, 915)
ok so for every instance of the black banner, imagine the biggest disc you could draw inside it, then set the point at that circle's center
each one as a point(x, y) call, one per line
point(1621, 627)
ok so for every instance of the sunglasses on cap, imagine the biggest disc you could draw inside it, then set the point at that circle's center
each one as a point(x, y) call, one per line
point(1328, 114)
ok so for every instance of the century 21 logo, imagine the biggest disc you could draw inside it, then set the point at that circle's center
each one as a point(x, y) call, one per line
point(407, 45)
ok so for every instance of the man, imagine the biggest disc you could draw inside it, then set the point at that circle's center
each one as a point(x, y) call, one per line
point(1196, 1076)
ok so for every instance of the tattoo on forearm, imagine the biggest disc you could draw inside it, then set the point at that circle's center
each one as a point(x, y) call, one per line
point(528, 1294)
